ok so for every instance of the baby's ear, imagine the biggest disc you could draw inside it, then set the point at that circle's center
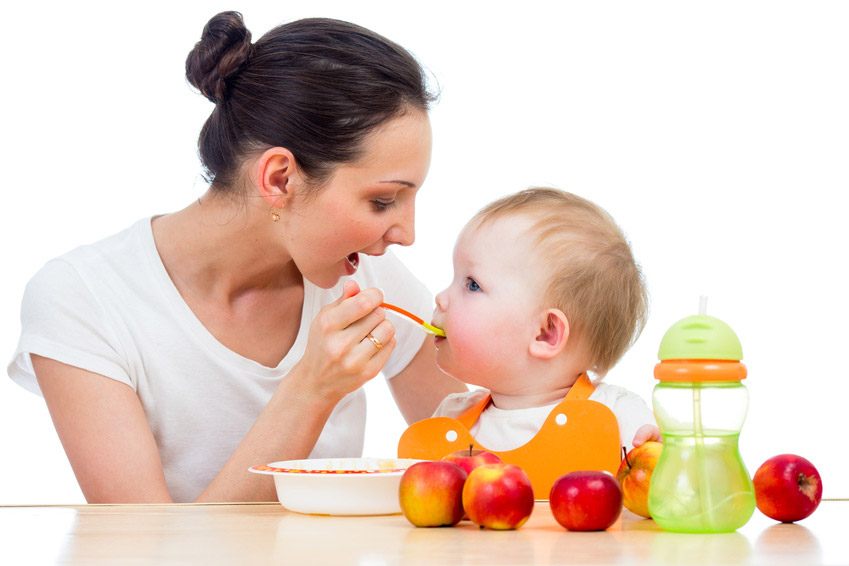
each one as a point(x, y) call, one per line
point(552, 335)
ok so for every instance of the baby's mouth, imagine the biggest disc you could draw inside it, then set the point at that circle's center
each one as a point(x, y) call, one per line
point(353, 260)
point(437, 337)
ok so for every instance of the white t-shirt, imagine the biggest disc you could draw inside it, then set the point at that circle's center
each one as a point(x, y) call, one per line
point(503, 429)
point(111, 308)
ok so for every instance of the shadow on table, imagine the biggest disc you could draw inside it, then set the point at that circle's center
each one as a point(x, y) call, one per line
point(687, 548)
point(789, 543)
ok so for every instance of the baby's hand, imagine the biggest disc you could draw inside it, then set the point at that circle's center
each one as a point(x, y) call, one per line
point(646, 433)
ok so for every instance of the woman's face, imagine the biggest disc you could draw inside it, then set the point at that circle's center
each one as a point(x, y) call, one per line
point(366, 206)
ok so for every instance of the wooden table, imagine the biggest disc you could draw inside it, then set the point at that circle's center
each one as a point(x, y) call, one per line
point(268, 534)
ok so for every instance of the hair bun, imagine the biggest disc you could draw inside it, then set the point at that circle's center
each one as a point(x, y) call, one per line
point(222, 51)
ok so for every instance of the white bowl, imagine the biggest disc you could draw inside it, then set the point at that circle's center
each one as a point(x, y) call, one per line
point(338, 486)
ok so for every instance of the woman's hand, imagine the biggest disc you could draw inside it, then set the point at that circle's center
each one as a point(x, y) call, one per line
point(340, 356)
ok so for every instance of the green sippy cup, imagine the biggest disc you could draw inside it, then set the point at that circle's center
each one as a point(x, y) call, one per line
point(700, 484)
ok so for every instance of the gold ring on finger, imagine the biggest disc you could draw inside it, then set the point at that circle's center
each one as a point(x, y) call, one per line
point(375, 341)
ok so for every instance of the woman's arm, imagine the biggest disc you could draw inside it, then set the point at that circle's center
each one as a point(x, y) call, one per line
point(105, 433)
point(111, 448)
point(286, 429)
point(421, 386)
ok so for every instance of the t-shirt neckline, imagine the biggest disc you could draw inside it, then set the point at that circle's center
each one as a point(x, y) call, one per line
point(196, 328)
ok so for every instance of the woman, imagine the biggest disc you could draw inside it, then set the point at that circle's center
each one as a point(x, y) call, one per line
point(178, 353)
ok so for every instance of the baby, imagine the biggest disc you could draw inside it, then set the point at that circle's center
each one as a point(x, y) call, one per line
point(545, 290)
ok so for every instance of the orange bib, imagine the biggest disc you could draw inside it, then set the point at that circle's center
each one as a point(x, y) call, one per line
point(578, 434)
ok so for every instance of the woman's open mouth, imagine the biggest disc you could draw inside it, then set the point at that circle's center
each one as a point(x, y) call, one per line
point(353, 262)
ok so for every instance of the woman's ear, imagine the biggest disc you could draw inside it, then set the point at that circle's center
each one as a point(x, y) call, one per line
point(274, 172)
point(552, 335)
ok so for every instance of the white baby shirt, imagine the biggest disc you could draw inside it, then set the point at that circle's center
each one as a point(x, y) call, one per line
point(501, 430)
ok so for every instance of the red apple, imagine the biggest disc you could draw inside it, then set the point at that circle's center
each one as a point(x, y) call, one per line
point(788, 488)
point(431, 494)
point(471, 458)
point(586, 500)
point(498, 496)
point(634, 476)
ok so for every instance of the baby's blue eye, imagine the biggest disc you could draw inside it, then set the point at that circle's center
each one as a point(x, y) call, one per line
point(472, 285)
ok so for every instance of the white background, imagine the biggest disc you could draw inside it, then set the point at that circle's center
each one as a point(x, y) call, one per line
point(717, 133)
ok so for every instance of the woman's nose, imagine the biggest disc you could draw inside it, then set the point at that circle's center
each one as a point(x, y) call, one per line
point(403, 232)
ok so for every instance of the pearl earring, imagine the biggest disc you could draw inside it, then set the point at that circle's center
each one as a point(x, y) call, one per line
point(274, 216)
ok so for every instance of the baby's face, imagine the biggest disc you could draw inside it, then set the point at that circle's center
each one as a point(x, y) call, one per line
point(493, 308)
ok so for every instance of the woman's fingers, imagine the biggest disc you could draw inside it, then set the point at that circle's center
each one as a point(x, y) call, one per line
point(377, 338)
point(353, 307)
point(350, 289)
point(374, 358)
point(350, 341)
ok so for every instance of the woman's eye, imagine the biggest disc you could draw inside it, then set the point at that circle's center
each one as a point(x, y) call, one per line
point(472, 285)
point(381, 205)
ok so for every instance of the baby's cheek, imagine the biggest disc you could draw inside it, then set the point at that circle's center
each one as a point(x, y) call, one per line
point(472, 353)
point(464, 337)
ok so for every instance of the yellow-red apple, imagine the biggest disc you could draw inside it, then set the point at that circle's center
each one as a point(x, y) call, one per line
point(788, 488)
point(498, 496)
point(634, 476)
point(586, 500)
point(471, 458)
point(431, 494)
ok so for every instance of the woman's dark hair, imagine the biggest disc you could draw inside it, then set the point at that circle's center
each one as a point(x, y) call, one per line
point(316, 86)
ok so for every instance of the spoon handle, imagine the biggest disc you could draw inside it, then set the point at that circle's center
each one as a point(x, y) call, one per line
point(429, 328)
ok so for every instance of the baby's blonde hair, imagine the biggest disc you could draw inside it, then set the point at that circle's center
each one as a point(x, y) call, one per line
point(592, 275)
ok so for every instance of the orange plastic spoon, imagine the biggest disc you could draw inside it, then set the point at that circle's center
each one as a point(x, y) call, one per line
point(429, 328)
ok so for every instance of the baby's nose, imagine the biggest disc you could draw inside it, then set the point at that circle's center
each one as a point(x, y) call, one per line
point(442, 300)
